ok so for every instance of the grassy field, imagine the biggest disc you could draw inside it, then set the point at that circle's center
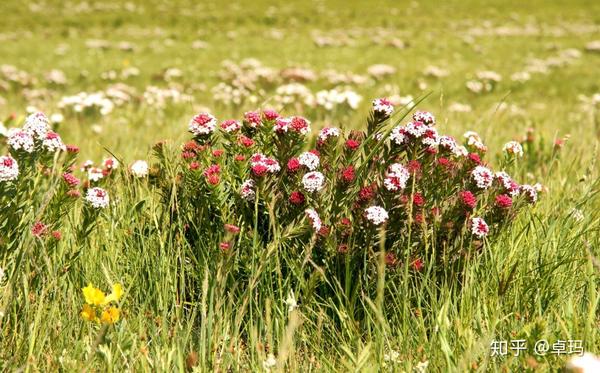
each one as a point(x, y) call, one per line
point(183, 311)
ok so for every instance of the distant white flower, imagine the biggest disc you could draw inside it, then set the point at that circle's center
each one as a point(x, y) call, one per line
point(97, 197)
point(513, 148)
point(310, 160)
point(313, 181)
point(95, 174)
point(422, 366)
point(392, 356)
point(577, 215)
point(290, 301)
point(270, 362)
point(139, 168)
point(57, 118)
point(376, 215)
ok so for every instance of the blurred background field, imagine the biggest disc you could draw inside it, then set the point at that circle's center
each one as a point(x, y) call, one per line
point(495, 68)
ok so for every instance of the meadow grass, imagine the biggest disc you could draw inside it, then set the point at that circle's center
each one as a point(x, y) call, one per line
point(181, 307)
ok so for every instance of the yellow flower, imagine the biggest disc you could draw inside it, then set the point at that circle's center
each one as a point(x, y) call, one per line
point(110, 315)
point(117, 293)
point(93, 295)
point(88, 313)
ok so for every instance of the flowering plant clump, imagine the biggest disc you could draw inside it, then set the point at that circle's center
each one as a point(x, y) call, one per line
point(99, 307)
point(425, 190)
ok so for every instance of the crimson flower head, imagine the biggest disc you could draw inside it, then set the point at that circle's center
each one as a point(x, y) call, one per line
point(366, 193)
point(346, 222)
point(324, 231)
point(352, 144)
point(413, 166)
point(240, 158)
point(194, 166)
point(70, 179)
point(417, 264)
point(293, 164)
point(343, 248)
point(231, 228)
point(252, 119)
point(468, 199)
point(270, 114)
point(296, 198)
point(57, 235)
point(213, 179)
point(474, 157)
point(218, 152)
point(390, 259)
point(259, 169)
point(214, 169)
point(38, 229)
point(224, 246)
point(246, 141)
point(73, 149)
point(418, 199)
point(348, 174)
point(503, 201)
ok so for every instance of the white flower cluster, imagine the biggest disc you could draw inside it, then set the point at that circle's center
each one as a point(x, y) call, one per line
point(97, 197)
point(9, 169)
point(376, 215)
point(482, 176)
point(160, 97)
point(479, 227)
point(513, 148)
point(327, 133)
point(330, 99)
point(314, 218)
point(310, 160)
point(53, 142)
point(202, 124)
point(230, 125)
point(313, 181)
point(259, 159)
point(20, 140)
point(247, 190)
point(383, 107)
point(96, 102)
point(396, 177)
point(37, 125)
point(509, 185)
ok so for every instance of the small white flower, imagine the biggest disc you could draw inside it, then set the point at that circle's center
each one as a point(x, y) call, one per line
point(37, 125)
point(588, 363)
point(383, 107)
point(392, 356)
point(95, 174)
point(247, 190)
point(376, 215)
point(310, 160)
point(479, 227)
point(57, 118)
point(97, 197)
point(270, 362)
point(52, 142)
point(139, 168)
point(313, 181)
point(327, 133)
point(9, 169)
point(396, 177)
point(513, 148)
point(315, 220)
point(290, 301)
point(424, 117)
point(398, 135)
point(530, 192)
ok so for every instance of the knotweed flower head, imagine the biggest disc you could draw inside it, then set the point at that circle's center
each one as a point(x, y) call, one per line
point(37, 125)
point(376, 215)
point(313, 181)
point(348, 174)
point(52, 142)
point(70, 179)
point(230, 125)
point(396, 177)
point(479, 227)
point(38, 229)
point(139, 168)
point(252, 119)
point(398, 135)
point(270, 114)
point(507, 183)
point(282, 125)
point(482, 176)
point(21, 140)
point(296, 198)
point(299, 125)
point(9, 169)
point(309, 160)
point(468, 199)
point(327, 133)
point(424, 117)
point(352, 144)
point(530, 193)
point(315, 220)
point(97, 197)
point(503, 201)
point(95, 174)
point(261, 164)
point(383, 107)
point(202, 124)
point(247, 190)
point(513, 148)
point(110, 164)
